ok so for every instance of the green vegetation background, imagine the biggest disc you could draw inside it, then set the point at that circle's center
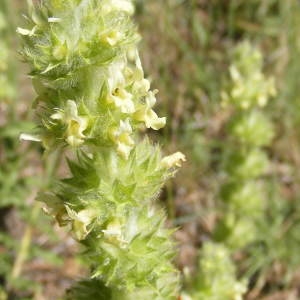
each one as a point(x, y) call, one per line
point(187, 49)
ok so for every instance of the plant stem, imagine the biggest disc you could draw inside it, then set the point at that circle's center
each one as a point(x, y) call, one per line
point(50, 169)
point(25, 243)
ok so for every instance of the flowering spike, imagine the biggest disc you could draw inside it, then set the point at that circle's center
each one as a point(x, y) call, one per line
point(247, 93)
point(92, 96)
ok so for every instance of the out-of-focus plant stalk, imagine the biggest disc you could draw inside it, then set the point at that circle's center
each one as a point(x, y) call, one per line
point(249, 130)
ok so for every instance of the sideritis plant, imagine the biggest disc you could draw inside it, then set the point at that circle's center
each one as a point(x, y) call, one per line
point(246, 161)
point(93, 100)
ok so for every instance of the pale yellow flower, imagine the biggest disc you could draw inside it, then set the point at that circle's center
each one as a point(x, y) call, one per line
point(135, 72)
point(142, 87)
point(113, 234)
point(240, 289)
point(148, 115)
point(28, 32)
point(173, 160)
point(115, 76)
point(81, 220)
point(111, 37)
point(122, 137)
point(120, 5)
point(54, 207)
point(75, 124)
point(30, 137)
point(185, 296)
point(123, 100)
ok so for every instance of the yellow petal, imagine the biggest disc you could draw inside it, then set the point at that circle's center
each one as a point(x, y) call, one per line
point(153, 121)
point(173, 160)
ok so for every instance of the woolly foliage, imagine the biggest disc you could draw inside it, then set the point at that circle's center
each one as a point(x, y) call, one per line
point(104, 203)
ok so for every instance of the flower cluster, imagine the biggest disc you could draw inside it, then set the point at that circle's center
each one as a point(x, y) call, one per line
point(249, 130)
point(88, 75)
point(93, 97)
point(248, 87)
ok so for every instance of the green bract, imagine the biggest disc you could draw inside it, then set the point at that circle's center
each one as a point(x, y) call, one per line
point(238, 231)
point(245, 199)
point(93, 98)
point(104, 202)
point(252, 129)
point(247, 165)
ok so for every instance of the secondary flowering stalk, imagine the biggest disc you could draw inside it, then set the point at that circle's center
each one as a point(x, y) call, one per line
point(248, 131)
point(93, 98)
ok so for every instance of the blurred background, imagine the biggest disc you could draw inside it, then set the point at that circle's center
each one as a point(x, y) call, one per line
point(238, 191)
